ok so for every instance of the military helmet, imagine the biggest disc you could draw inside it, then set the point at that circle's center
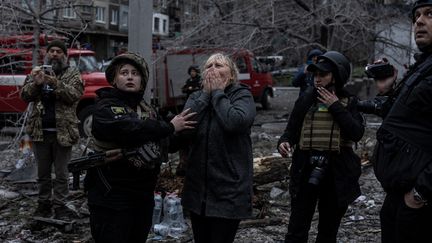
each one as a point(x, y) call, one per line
point(342, 64)
point(129, 57)
point(314, 52)
point(419, 4)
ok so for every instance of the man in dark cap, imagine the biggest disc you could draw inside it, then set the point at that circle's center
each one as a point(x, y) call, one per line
point(303, 78)
point(403, 157)
point(54, 90)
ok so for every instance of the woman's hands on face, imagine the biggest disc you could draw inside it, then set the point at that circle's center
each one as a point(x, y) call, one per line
point(213, 81)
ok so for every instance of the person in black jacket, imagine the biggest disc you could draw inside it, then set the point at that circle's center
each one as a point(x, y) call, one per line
point(304, 79)
point(194, 82)
point(403, 157)
point(120, 193)
point(218, 183)
point(321, 131)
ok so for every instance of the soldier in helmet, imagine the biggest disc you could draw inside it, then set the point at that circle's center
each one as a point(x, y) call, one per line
point(120, 194)
point(322, 128)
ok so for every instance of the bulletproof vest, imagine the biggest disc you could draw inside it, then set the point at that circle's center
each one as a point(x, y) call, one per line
point(320, 132)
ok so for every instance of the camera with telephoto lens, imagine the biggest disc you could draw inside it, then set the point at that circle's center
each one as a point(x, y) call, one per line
point(372, 106)
point(319, 163)
point(379, 71)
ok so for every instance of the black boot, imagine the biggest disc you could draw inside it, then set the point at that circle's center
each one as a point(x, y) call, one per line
point(43, 210)
point(64, 213)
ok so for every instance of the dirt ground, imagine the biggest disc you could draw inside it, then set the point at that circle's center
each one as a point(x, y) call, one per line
point(360, 224)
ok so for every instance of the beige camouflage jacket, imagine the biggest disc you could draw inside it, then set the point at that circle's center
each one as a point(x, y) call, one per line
point(68, 91)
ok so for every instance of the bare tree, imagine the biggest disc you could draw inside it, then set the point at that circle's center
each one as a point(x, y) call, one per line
point(21, 16)
point(291, 28)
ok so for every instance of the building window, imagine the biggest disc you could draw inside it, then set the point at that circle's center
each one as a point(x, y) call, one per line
point(100, 15)
point(124, 19)
point(114, 17)
point(156, 24)
point(69, 13)
point(164, 26)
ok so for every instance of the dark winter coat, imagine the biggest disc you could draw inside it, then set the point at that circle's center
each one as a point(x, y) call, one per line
point(192, 85)
point(345, 165)
point(303, 80)
point(121, 184)
point(403, 158)
point(219, 172)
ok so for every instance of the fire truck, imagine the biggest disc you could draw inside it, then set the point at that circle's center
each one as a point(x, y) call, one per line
point(170, 73)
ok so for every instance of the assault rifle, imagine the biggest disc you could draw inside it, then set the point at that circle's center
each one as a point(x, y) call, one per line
point(98, 159)
point(95, 159)
point(148, 153)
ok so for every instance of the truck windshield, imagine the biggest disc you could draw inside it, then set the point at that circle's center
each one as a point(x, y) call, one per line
point(85, 64)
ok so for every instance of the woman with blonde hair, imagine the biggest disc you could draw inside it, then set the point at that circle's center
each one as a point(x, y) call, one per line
point(218, 185)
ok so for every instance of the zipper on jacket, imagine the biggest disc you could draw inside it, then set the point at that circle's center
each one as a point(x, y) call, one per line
point(204, 203)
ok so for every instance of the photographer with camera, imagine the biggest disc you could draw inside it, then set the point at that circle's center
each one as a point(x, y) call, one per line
point(403, 157)
point(384, 75)
point(321, 131)
point(55, 90)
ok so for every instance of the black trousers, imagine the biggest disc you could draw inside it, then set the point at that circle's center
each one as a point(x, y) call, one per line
point(213, 230)
point(120, 226)
point(402, 224)
point(303, 205)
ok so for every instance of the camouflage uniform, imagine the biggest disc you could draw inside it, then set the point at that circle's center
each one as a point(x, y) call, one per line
point(54, 147)
point(68, 91)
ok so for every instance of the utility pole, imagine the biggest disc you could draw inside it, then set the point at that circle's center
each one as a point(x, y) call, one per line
point(140, 32)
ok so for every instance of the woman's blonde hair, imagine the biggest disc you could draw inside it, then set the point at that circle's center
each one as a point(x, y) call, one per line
point(220, 57)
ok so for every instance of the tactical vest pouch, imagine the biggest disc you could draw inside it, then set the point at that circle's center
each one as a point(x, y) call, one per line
point(320, 132)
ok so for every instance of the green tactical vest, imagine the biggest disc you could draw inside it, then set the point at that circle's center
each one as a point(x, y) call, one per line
point(320, 132)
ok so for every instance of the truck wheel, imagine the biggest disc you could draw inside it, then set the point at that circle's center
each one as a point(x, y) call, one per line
point(86, 118)
point(266, 100)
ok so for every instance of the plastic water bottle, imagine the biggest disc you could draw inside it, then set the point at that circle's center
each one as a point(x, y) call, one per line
point(173, 215)
point(170, 210)
point(157, 210)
